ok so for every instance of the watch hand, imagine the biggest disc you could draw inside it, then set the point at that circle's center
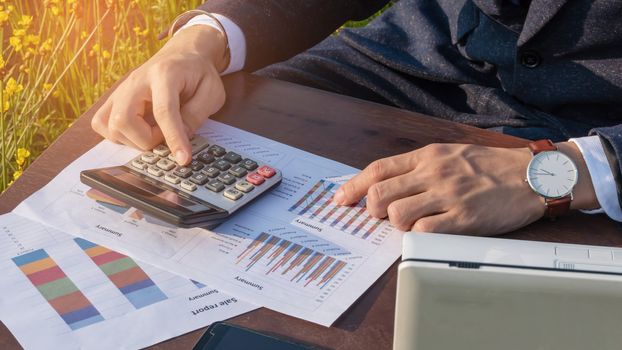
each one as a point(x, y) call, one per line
point(550, 174)
point(547, 172)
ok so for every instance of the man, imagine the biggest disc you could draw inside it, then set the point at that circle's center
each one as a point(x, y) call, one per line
point(541, 69)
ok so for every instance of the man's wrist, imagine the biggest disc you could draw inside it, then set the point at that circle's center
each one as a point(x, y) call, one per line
point(207, 41)
point(584, 195)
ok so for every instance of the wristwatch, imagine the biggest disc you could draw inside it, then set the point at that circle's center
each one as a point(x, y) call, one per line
point(552, 175)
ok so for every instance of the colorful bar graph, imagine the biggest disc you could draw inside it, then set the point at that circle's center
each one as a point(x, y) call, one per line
point(59, 291)
point(124, 273)
point(372, 228)
point(317, 204)
point(295, 262)
point(317, 198)
point(307, 195)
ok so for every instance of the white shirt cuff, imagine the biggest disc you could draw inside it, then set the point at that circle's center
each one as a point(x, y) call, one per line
point(237, 41)
point(602, 176)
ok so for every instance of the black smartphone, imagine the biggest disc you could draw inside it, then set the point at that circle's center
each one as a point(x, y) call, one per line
point(226, 336)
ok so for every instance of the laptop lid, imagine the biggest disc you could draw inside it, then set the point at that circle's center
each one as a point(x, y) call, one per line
point(458, 292)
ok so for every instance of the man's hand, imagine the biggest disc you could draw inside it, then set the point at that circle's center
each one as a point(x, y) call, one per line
point(169, 96)
point(452, 188)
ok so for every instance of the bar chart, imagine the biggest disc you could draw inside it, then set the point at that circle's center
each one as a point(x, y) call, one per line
point(317, 205)
point(296, 263)
point(124, 273)
point(59, 291)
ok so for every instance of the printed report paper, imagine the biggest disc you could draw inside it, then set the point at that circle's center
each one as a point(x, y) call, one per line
point(64, 292)
point(292, 250)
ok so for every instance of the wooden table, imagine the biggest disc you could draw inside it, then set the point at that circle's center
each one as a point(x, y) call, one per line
point(347, 130)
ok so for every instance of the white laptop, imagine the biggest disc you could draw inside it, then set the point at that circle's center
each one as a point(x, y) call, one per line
point(459, 292)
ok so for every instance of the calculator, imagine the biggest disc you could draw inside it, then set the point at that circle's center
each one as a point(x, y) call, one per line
point(216, 183)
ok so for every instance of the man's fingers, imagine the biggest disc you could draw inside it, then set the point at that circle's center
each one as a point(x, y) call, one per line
point(208, 98)
point(166, 111)
point(404, 212)
point(440, 223)
point(381, 194)
point(126, 118)
point(99, 123)
point(353, 190)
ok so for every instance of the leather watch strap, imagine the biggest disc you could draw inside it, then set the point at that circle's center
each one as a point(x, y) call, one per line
point(554, 206)
point(557, 207)
point(542, 146)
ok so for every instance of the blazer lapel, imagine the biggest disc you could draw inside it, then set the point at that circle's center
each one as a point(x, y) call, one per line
point(539, 14)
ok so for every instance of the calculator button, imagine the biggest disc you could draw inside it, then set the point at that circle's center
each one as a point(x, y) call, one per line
point(266, 171)
point(165, 164)
point(183, 172)
point(233, 194)
point(244, 186)
point(155, 171)
point(222, 164)
point(196, 165)
point(216, 151)
point(249, 164)
point(174, 179)
point(232, 157)
point(206, 158)
point(211, 171)
point(161, 150)
point(215, 186)
point(255, 179)
point(199, 178)
point(188, 186)
point(227, 178)
point(149, 158)
point(139, 164)
point(198, 143)
point(238, 171)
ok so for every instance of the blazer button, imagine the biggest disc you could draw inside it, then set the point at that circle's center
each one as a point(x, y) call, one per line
point(530, 59)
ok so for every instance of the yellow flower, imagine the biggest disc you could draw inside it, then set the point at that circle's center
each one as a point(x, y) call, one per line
point(55, 10)
point(105, 54)
point(19, 32)
point(47, 86)
point(25, 21)
point(21, 156)
point(140, 32)
point(95, 50)
point(83, 35)
point(32, 39)
point(17, 174)
point(5, 106)
point(16, 42)
point(4, 16)
point(46, 46)
point(12, 87)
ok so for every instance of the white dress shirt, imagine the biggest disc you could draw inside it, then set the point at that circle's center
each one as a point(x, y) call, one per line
point(590, 146)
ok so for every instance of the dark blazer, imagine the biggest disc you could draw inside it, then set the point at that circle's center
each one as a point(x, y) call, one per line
point(560, 61)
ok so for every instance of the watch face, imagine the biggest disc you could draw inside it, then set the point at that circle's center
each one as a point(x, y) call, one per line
point(552, 174)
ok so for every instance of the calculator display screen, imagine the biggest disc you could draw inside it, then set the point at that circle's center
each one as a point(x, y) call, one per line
point(137, 188)
point(169, 196)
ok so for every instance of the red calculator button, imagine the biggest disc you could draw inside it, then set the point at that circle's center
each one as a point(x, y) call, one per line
point(255, 179)
point(266, 171)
